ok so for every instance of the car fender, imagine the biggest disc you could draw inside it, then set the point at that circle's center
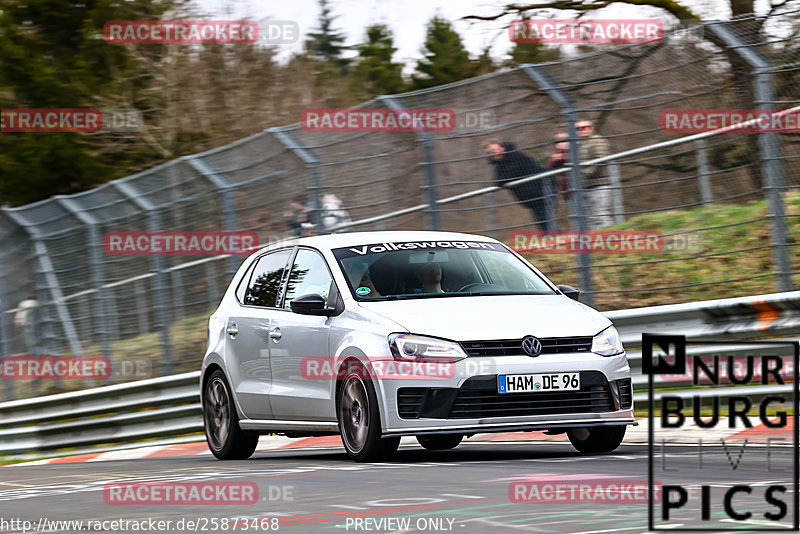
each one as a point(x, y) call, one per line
point(364, 346)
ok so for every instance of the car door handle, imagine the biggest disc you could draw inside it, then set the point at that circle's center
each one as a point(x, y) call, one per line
point(232, 330)
point(275, 333)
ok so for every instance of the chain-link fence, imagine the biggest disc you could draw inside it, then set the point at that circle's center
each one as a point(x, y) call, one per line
point(727, 198)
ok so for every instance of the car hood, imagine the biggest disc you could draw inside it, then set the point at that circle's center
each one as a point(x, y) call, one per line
point(468, 318)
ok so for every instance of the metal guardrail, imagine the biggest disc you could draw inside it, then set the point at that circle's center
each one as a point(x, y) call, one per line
point(168, 407)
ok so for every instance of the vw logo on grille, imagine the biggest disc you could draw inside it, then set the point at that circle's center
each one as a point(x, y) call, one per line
point(531, 346)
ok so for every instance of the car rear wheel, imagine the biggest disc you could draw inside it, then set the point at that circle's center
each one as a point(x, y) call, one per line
point(225, 439)
point(440, 442)
point(596, 438)
point(359, 420)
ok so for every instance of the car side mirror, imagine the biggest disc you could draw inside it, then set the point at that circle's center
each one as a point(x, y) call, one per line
point(570, 291)
point(310, 304)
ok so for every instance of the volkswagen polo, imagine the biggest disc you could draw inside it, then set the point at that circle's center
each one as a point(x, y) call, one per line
point(378, 335)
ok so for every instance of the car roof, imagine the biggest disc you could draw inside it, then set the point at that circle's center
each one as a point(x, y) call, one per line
point(332, 241)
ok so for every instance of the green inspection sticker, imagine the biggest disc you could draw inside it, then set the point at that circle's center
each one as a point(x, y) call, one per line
point(363, 291)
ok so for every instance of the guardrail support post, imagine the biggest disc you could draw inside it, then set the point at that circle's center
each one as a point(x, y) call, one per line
point(702, 171)
point(428, 162)
point(769, 144)
point(577, 204)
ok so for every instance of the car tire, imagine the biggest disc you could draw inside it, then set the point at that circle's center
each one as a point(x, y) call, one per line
point(221, 421)
point(440, 442)
point(596, 438)
point(360, 420)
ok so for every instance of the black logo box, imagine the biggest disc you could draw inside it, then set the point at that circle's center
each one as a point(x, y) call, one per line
point(678, 366)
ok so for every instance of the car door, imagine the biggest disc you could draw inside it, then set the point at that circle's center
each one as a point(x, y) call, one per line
point(247, 333)
point(295, 395)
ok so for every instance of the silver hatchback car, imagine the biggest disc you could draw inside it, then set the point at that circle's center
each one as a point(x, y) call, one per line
point(378, 335)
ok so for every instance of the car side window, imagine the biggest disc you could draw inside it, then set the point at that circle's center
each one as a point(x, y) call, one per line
point(265, 283)
point(242, 287)
point(309, 274)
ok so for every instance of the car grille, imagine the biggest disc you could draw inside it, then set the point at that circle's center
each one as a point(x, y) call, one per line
point(625, 393)
point(472, 404)
point(513, 347)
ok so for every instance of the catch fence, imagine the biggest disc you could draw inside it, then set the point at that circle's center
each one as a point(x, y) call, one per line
point(726, 197)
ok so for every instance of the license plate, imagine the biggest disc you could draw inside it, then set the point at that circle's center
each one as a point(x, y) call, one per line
point(538, 383)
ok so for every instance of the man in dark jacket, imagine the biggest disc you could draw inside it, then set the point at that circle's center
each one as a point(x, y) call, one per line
point(510, 164)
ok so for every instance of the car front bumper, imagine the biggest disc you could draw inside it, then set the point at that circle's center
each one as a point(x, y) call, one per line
point(468, 402)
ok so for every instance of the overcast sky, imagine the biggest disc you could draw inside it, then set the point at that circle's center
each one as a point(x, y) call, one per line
point(408, 18)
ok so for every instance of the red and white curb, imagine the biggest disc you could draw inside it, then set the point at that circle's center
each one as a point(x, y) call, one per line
point(689, 434)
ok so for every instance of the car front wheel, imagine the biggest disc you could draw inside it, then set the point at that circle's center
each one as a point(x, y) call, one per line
point(596, 438)
point(225, 439)
point(359, 420)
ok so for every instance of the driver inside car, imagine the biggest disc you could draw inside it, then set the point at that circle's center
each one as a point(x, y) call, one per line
point(429, 275)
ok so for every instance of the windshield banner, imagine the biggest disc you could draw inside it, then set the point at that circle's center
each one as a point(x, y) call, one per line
point(377, 248)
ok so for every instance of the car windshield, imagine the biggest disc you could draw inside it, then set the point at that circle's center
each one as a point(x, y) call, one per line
point(425, 269)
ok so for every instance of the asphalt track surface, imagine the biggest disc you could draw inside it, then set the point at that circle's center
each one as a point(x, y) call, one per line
point(464, 490)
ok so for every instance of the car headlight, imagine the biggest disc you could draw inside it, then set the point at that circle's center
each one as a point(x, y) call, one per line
point(607, 343)
point(421, 348)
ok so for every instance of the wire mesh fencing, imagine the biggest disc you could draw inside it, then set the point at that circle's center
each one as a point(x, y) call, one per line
point(723, 202)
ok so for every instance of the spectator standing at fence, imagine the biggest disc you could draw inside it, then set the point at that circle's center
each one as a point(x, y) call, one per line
point(26, 324)
point(596, 180)
point(510, 164)
point(559, 159)
point(333, 213)
point(302, 217)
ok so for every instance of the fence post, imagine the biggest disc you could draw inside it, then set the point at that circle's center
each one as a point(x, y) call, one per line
point(769, 145)
point(51, 287)
point(577, 211)
point(701, 153)
point(160, 285)
point(94, 244)
point(427, 142)
point(141, 305)
point(227, 201)
point(491, 214)
point(211, 276)
point(177, 295)
point(309, 159)
point(616, 184)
